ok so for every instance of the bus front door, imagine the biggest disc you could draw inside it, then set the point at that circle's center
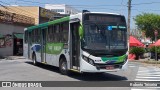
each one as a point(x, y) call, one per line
point(29, 45)
point(43, 43)
point(74, 45)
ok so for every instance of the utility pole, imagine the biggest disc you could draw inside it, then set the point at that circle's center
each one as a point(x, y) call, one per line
point(128, 26)
point(129, 15)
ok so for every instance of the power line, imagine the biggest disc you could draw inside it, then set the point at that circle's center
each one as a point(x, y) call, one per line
point(17, 8)
point(101, 8)
point(144, 10)
point(121, 6)
point(70, 5)
point(31, 2)
point(3, 6)
point(98, 5)
point(146, 3)
point(6, 7)
point(82, 6)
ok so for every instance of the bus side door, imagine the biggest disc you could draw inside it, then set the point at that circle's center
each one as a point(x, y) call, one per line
point(43, 44)
point(74, 44)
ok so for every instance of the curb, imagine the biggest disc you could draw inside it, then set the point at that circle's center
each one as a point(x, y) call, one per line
point(14, 57)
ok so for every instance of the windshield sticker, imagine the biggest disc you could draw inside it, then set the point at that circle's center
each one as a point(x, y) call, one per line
point(122, 27)
point(114, 27)
point(109, 28)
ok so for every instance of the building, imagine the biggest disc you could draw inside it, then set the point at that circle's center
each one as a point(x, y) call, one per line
point(13, 20)
point(61, 8)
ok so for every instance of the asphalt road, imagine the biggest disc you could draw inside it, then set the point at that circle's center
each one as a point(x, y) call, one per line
point(24, 70)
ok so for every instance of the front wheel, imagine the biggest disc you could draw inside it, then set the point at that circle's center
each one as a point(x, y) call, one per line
point(63, 67)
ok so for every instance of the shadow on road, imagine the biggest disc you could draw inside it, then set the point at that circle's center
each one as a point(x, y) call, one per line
point(85, 76)
point(98, 77)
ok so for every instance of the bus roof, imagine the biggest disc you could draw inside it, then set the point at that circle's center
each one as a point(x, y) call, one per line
point(48, 23)
point(62, 20)
point(106, 13)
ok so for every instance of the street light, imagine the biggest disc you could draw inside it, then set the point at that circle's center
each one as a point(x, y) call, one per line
point(155, 33)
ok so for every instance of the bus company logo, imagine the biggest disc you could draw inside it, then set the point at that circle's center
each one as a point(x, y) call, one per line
point(6, 84)
point(57, 48)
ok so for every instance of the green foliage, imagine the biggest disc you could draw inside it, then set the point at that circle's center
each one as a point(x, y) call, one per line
point(137, 50)
point(153, 49)
point(148, 22)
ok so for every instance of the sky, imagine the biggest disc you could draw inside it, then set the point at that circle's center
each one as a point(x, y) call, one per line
point(114, 6)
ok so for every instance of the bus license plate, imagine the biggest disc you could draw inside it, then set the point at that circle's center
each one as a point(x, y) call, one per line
point(109, 67)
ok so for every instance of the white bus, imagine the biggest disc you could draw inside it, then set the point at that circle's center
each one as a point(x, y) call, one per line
point(84, 42)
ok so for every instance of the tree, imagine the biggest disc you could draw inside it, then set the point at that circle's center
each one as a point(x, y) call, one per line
point(148, 22)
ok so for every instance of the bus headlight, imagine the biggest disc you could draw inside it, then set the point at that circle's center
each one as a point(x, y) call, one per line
point(85, 58)
point(90, 61)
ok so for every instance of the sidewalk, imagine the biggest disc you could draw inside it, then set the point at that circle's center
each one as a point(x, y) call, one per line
point(12, 58)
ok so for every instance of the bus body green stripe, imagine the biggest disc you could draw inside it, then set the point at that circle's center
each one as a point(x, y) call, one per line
point(116, 59)
point(59, 20)
point(38, 26)
point(49, 23)
point(54, 48)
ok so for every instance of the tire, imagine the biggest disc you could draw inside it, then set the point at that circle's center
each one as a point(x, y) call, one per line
point(34, 59)
point(63, 67)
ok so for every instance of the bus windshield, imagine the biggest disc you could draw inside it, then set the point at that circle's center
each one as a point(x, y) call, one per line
point(104, 35)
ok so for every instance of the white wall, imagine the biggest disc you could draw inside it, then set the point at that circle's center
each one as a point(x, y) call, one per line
point(67, 9)
point(9, 29)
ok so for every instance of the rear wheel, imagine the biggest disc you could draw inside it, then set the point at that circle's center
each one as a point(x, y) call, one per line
point(63, 66)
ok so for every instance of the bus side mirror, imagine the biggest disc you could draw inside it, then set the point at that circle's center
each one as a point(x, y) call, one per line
point(81, 31)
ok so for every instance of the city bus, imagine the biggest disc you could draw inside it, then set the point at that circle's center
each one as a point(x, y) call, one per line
point(94, 42)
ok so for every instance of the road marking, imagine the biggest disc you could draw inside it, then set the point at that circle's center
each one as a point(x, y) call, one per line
point(145, 73)
point(146, 89)
point(145, 80)
point(132, 66)
point(149, 69)
point(146, 77)
point(148, 74)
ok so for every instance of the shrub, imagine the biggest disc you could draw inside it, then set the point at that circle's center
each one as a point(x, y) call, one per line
point(152, 49)
point(137, 50)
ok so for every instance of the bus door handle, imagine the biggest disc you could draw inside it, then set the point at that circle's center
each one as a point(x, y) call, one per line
point(65, 43)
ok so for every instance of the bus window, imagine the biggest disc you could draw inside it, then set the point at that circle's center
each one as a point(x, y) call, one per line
point(37, 36)
point(50, 36)
point(65, 27)
point(32, 36)
point(57, 33)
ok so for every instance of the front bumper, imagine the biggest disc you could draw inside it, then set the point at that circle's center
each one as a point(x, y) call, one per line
point(86, 67)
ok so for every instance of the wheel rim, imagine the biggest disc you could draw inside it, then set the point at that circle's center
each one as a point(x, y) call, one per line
point(34, 61)
point(64, 66)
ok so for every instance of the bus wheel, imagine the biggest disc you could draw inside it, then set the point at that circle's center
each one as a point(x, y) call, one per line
point(63, 66)
point(34, 59)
